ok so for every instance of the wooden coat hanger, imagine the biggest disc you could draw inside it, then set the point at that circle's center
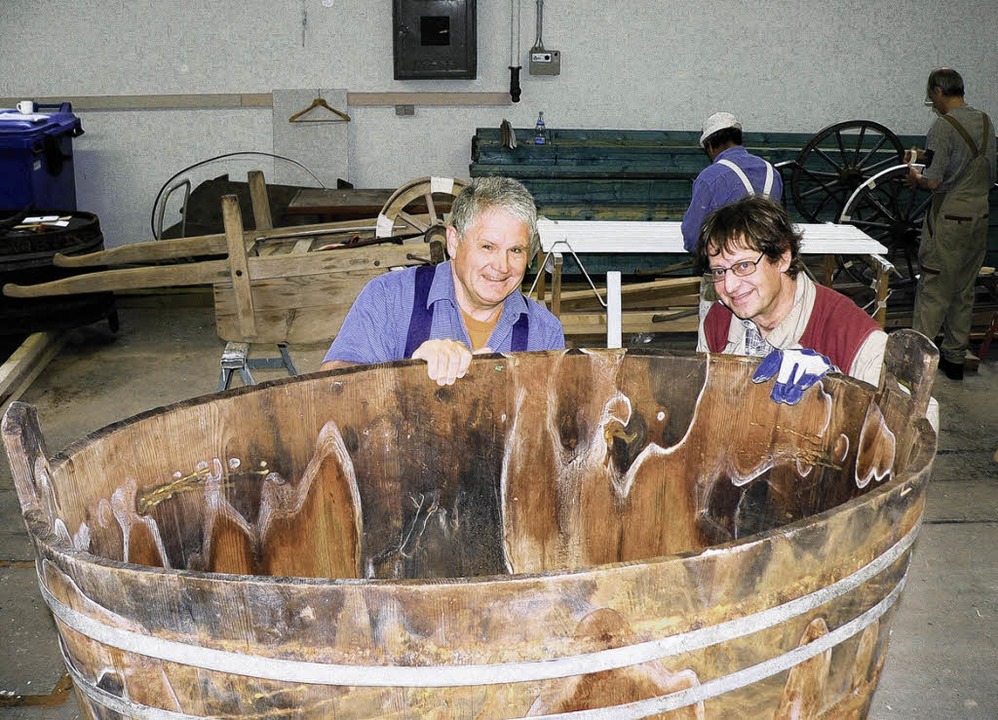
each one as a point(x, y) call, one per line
point(316, 103)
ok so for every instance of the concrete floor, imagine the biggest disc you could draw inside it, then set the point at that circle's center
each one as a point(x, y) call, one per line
point(943, 661)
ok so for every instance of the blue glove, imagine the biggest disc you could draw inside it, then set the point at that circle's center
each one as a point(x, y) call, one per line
point(795, 371)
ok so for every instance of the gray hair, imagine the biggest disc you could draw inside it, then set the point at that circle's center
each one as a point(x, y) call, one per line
point(946, 79)
point(487, 193)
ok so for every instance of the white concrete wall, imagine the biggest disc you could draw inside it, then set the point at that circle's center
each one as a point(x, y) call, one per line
point(781, 65)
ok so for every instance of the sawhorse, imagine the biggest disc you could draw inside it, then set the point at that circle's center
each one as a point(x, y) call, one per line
point(236, 357)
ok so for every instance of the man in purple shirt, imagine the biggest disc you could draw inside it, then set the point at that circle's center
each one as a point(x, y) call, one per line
point(469, 304)
point(732, 174)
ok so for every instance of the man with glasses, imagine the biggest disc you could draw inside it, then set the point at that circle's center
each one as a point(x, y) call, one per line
point(767, 306)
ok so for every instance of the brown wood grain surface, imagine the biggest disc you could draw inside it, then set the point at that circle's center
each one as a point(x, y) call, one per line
point(345, 204)
point(593, 510)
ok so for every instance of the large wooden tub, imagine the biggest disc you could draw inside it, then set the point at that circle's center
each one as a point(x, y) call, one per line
point(602, 534)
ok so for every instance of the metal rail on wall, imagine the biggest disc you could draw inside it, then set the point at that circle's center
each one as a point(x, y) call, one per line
point(260, 100)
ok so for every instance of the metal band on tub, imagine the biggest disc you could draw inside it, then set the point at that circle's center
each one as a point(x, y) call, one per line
point(468, 675)
point(628, 711)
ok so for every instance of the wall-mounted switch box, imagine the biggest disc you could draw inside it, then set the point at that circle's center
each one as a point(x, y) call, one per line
point(545, 62)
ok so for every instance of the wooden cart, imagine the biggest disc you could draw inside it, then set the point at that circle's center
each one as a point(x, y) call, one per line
point(272, 285)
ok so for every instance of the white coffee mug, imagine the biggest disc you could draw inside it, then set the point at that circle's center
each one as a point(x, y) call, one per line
point(26, 107)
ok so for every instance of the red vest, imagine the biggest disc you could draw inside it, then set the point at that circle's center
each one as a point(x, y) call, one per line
point(836, 329)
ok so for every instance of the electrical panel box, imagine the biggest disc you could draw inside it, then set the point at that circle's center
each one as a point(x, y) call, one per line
point(545, 62)
point(435, 39)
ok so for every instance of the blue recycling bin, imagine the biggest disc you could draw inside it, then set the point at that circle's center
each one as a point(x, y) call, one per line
point(36, 158)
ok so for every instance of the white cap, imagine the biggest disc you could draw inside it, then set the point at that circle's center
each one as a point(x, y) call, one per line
point(718, 121)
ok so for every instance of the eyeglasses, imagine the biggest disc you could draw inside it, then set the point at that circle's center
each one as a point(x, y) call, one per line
point(739, 269)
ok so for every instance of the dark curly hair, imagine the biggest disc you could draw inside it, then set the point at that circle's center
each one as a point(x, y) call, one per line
point(754, 222)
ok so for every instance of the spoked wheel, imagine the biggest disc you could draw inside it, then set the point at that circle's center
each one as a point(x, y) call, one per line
point(891, 213)
point(418, 208)
point(838, 160)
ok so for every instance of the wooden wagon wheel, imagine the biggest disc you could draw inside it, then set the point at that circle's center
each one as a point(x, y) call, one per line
point(836, 161)
point(420, 195)
point(891, 213)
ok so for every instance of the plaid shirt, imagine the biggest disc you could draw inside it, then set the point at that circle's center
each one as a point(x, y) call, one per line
point(755, 343)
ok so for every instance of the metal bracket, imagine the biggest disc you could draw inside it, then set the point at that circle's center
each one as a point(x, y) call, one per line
point(582, 267)
point(236, 357)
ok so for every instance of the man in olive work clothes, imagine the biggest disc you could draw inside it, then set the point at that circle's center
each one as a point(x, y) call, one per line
point(960, 171)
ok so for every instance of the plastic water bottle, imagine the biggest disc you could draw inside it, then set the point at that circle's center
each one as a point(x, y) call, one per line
point(540, 131)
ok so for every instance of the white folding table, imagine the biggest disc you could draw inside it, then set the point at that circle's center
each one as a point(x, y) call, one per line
point(608, 237)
